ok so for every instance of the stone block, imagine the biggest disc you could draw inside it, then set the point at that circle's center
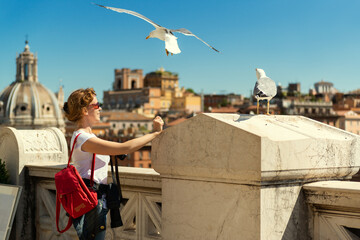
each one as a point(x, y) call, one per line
point(225, 172)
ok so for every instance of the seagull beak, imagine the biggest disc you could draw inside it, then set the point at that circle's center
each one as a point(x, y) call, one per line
point(148, 37)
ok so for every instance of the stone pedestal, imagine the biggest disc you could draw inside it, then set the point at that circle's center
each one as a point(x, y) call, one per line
point(21, 147)
point(227, 176)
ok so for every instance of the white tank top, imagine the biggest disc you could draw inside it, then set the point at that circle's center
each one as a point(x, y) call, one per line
point(82, 160)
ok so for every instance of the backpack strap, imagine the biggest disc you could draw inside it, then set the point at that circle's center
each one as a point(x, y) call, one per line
point(92, 171)
point(72, 149)
point(58, 216)
point(117, 178)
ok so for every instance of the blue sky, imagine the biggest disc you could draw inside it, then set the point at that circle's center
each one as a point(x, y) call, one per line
point(81, 44)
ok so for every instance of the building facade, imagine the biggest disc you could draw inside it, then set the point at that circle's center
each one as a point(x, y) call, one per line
point(320, 111)
point(349, 121)
point(126, 78)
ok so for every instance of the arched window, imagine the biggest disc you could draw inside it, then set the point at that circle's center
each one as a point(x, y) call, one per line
point(133, 84)
point(26, 70)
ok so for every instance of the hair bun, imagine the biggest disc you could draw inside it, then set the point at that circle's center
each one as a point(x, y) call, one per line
point(66, 108)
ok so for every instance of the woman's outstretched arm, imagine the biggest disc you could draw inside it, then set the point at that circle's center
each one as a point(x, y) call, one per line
point(104, 147)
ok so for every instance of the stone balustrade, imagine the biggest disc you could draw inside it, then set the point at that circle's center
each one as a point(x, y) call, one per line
point(335, 209)
point(141, 214)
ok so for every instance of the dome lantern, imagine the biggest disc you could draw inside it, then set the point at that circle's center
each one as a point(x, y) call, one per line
point(26, 66)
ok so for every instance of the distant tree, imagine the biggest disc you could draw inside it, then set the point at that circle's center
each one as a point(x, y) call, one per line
point(4, 174)
point(190, 90)
point(224, 103)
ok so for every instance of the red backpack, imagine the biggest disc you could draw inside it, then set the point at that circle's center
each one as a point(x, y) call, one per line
point(72, 193)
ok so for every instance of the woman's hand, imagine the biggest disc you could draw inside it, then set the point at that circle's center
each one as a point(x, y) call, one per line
point(158, 124)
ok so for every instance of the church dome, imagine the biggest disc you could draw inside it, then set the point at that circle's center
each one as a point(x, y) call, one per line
point(26, 103)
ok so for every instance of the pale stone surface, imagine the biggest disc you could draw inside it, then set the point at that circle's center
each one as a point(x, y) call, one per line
point(245, 149)
point(284, 213)
point(336, 206)
point(193, 210)
point(21, 147)
point(212, 158)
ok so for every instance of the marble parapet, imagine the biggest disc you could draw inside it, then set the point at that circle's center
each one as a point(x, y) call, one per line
point(335, 209)
point(134, 177)
point(231, 176)
point(256, 149)
point(21, 147)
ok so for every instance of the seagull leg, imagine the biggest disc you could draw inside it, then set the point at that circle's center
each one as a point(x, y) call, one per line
point(257, 107)
point(167, 52)
point(268, 106)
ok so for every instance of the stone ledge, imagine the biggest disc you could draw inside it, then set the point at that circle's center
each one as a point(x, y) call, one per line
point(334, 195)
point(134, 177)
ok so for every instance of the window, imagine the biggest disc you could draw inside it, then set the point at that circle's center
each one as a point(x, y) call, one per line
point(26, 70)
point(149, 165)
point(140, 155)
point(114, 125)
point(141, 165)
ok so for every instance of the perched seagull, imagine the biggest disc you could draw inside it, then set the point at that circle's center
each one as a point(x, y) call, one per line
point(265, 88)
point(160, 32)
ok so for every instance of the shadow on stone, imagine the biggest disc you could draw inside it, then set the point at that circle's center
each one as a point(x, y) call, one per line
point(298, 224)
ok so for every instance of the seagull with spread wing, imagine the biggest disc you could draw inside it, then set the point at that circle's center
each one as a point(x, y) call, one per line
point(162, 33)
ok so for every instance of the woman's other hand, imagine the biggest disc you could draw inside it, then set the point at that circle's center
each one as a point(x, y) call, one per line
point(158, 124)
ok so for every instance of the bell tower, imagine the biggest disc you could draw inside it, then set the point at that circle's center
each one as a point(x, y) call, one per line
point(26, 66)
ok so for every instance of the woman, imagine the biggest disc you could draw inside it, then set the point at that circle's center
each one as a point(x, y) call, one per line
point(84, 109)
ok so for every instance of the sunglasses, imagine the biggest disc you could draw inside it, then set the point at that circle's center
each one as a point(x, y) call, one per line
point(96, 105)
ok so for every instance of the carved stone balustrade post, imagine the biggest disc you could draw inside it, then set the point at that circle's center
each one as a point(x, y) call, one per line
point(19, 148)
point(230, 176)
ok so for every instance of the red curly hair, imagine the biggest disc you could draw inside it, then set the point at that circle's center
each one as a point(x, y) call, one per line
point(77, 101)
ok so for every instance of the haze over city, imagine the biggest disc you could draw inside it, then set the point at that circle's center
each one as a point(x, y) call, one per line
point(79, 44)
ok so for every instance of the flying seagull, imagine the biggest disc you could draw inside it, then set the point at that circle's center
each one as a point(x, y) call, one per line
point(160, 32)
point(265, 88)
